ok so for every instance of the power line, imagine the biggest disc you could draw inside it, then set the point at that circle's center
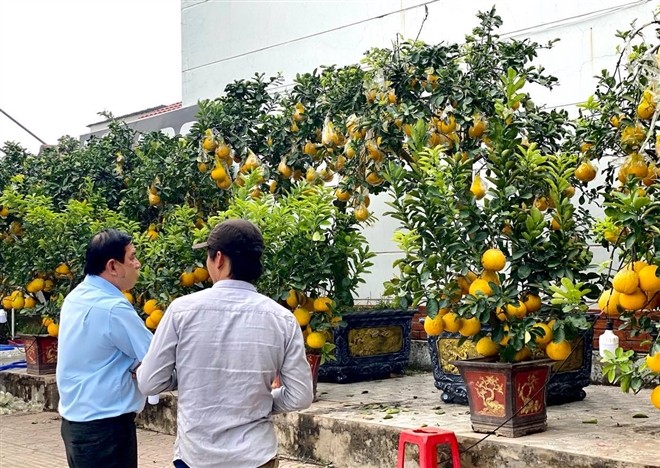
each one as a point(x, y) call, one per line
point(22, 126)
point(579, 18)
point(539, 27)
point(309, 36)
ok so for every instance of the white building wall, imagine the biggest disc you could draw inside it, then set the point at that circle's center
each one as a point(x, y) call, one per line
point(223, 41)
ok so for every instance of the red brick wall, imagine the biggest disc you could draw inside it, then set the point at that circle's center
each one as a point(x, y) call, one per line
point(418, 332)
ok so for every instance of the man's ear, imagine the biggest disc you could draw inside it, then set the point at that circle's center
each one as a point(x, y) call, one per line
point(219, 260)
point(110, 267)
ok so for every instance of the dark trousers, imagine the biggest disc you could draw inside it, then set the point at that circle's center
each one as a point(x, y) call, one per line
point(274, 463)
point(104, 443)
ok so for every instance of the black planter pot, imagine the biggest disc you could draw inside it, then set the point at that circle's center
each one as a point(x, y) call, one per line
point(566, 383)
point(372, 345)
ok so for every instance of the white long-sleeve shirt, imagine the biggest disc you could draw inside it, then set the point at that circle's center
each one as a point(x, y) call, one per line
point(222, 348)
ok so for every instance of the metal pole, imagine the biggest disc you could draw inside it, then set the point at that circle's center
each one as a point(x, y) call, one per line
point(22, 126)
point(13, 324)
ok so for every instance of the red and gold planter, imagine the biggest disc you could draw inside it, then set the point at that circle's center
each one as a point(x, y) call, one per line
point(510, 395)
point(40, 354)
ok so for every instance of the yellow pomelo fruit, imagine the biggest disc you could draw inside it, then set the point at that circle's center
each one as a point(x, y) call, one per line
point(480, 286)
point(150, 306)
point(434, 326)
point(53, 329)
point(634, 301)
point(156, 316)
point(452, 322)
point(532, 302)
point(293, 299)
point(523, 354)
point(608, 302)
point(516, 310)
point(322, 304)
point(547, 337)
point(316, 340)
point(470, 327)
point(625, 281)
point(150, 323)
point(129, 297)
point(645, 109)
point(201, 274)
point(187, 279)
point(653, 362)
point(35, 285)
point(655, 397)
point(487, 347)
point(303, 316)
point(585, 172)
point(490, 276)
point(558, 351)
point(493, 260)
point(648, 281)
point(638, 266)
point(18, 302)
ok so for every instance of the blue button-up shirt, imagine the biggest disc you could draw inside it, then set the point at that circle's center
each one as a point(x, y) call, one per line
point(101, 339)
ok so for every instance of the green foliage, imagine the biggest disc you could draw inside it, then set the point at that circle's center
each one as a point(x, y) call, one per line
point(310, 244)
point(446, 229)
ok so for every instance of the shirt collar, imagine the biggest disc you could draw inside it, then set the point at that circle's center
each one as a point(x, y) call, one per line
point(103, 284)
point(234, 284)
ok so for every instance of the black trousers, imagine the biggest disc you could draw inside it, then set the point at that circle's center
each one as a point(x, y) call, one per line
point(104, 443)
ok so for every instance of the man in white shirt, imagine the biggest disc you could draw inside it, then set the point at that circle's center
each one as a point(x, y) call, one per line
point(222, 348)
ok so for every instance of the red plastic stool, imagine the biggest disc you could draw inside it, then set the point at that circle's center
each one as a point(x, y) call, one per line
point(428, 438)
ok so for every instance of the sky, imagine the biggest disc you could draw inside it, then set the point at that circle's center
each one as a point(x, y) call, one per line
point(64, 61)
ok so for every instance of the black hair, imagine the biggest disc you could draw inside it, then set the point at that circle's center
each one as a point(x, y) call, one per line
point(240, 241)
point(104, 246)
point(245, 266)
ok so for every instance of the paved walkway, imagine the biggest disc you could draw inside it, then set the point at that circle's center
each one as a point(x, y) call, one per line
point(33, 440)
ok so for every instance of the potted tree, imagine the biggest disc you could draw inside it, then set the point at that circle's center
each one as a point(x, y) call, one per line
point(42, 255)
point(489, 236)
point(618, 126)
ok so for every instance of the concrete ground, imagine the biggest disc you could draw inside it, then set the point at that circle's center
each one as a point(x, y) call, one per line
point(33, 440)
point(357, 426)
point(608, 429)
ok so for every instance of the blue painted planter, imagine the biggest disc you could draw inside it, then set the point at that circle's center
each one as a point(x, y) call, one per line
point(566, 384)
point(372, 345)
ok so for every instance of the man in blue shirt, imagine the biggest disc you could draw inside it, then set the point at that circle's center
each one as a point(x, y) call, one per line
point(101, 342)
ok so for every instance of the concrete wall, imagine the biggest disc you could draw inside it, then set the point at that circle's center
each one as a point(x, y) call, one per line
point(229, 40)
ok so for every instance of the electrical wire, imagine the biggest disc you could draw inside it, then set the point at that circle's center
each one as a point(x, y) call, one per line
point(22, 126)
point(309, 36)
point(541, 27)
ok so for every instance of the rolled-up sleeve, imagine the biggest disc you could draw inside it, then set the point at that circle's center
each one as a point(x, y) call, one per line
point(296, 392)
point(158, 372)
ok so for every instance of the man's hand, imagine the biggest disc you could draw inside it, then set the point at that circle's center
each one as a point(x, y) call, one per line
point(134, 371)
point(276, 383)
